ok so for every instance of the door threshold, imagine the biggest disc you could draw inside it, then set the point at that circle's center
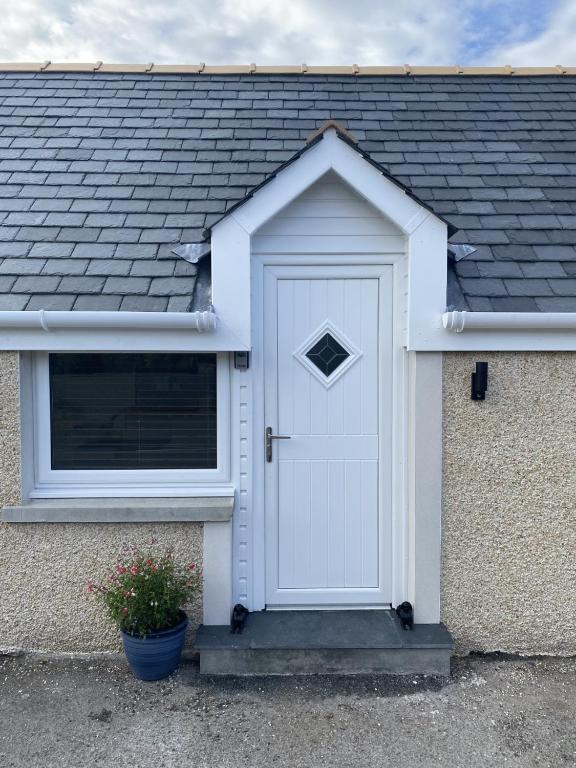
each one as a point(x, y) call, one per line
point(336, 607)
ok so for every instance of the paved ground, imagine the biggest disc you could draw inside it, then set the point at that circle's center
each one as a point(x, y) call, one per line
point(493, 712)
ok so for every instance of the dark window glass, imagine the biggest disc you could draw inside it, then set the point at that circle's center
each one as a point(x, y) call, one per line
point(327, 354)
point(140, 411)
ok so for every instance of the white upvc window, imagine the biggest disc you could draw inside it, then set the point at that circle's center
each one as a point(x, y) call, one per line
point(130, 424)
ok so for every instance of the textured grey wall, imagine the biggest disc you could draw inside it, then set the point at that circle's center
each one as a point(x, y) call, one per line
point(509, 523)
point(44, 568)
point(9, 429)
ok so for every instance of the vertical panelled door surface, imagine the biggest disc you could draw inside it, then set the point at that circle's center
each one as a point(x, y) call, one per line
point(328, 388)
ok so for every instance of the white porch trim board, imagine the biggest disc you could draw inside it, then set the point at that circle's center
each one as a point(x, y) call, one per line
point(426, 235)
point(217, 573)
point(425, 484)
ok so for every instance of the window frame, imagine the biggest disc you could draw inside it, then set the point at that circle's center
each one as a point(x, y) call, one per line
point(50, 482)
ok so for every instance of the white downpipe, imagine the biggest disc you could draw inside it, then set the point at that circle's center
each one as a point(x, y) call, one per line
point(502, 321)
point(49, 320)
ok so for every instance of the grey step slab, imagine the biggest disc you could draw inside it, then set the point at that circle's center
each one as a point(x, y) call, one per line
point(324, 642)
point(328, 661)
point(358, 629)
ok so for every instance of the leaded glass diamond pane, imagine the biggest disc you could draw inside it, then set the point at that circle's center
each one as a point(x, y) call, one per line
point(327, 354)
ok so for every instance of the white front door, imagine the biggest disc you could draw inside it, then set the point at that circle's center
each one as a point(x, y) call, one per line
point(328, 389)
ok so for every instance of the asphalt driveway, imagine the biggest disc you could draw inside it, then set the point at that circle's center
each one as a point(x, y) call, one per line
point(492, 712)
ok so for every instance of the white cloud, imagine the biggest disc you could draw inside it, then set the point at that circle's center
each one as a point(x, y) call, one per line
point(232, 31)
point(290, 31)
point(555, 44)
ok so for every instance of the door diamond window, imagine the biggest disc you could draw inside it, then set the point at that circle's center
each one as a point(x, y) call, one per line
point(327, 353)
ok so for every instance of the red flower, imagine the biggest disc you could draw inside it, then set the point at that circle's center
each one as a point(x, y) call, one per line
point(134, 570)
point(121, 569)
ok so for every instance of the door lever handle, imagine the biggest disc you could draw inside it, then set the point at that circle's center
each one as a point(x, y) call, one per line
point(268, 441)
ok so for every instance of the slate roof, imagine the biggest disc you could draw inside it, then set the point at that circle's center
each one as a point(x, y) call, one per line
point(101, 174)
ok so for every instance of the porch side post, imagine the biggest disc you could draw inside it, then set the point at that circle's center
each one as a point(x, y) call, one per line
point(217, 569)
point(425, 484)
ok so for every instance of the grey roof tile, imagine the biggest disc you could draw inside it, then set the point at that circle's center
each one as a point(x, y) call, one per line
point(106, 172)
point(64, 266)
point(93, 251)
point(144, 303)
point(127, 285)
point(12, 301)
point(483, 286)
point(555, 252)
point(36, 284)
point(499, 269)
point(545, 269)
point(119, 235)
point(109, 267)
point(179, 303)
point(11, 249)
point(21, 266)
point(152, 268)
point(54, 301)
point(528, 287)
point(480, 304)
point(108, 303)
point(514, 304)
point(563, 287)
point(555, 303)
point(82, 284)
point(51, 250)
point(185, 269)
point(173, 286)
point(137, 251)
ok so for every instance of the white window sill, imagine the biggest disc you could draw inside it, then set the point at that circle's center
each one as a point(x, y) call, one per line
point(122, 510)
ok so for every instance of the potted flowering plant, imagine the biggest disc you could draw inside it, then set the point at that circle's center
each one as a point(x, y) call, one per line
point(144, 597)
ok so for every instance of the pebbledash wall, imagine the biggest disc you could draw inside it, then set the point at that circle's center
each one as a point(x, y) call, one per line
point(509, 532)
point(45, 567)
point(509, 503)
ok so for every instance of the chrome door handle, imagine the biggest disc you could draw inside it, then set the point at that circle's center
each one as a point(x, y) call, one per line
point(268, 440)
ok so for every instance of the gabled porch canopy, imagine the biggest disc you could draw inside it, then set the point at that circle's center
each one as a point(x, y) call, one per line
point(332, 150)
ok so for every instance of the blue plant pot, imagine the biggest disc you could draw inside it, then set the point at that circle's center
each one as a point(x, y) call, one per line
point(155, 656)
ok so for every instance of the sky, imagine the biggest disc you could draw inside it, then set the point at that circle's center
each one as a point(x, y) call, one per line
point(466, 32)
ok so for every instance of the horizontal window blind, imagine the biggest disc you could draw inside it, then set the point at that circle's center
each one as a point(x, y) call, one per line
point(133, 411)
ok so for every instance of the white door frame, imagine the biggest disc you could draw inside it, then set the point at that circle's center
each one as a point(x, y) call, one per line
point(399, 448)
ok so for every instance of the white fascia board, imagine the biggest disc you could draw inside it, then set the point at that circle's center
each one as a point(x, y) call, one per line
point(47, 330)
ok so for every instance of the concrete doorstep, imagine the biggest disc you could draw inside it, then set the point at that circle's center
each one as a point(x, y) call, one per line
point(324, 642)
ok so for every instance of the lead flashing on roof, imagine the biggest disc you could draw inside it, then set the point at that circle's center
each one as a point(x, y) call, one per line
point(291, 69)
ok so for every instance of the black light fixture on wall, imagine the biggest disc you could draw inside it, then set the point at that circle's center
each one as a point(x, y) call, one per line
point(480, 381)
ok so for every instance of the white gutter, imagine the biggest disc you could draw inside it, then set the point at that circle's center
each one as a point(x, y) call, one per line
point(49, 320)
point(508, 321)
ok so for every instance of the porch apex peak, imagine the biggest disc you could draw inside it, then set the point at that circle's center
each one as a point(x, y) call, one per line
point(334, 125)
